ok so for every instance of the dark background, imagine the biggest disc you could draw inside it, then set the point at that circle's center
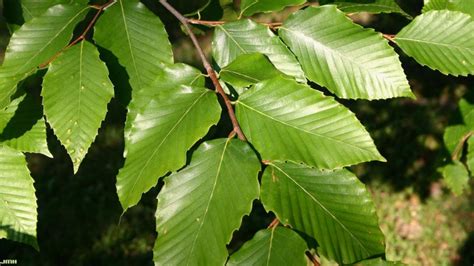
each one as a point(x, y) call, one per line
point(79, 219)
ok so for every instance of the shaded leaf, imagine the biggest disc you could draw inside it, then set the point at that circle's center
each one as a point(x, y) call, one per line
point(470, 155)
point(200, 206)
point(441, 40)
point(285, 120)
point(248, 69)
point(456, 177)
point(250, 7)
point(274, 246)
point(18, 208)
point(35, 43)
point(160, 136)
point(22, 126)
point(245, 37)
point(349, 60)
point(453, 135)
point(333, 207)
point(76, 91)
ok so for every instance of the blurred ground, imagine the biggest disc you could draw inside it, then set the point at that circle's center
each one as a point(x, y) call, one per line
point(80, 219)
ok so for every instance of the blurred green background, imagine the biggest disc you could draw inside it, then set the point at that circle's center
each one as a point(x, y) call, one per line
point(80, 220)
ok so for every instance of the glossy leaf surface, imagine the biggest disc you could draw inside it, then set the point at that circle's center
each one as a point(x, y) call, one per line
point(333, 207)
point(285, 120)
point(245, 37)
point(76, 91)
point(35, 8)
point(273, 246)
point(161, 135)
point(349, 60)
point(465, 6)
point(200, 206)
point(375, 6)
point(17, 198)
point(35, 43)
point(139, 41)
point(441, 40)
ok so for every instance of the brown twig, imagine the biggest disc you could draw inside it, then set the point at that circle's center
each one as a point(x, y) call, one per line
point(312, 258)
point(213, 23)
point(210, 71)
point(274, 223)
point(389, 37)
point(458, 148)
point(83, 35)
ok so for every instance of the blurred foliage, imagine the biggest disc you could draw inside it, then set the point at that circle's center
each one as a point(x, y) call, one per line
point(80, 219)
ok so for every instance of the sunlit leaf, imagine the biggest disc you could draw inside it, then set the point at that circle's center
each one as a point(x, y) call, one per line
point(349, 60)
point(35, 43)
point(138, 39)
point(76, 91)
point(274, 246)
point(333, 207)
point(18, 214)
point(162, 133)
point(246, 37)
point(465, 6)
point(441, 40)
point(285, 120)
point(200, 206)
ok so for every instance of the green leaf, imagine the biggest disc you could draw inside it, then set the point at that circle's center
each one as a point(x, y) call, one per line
point(18, 214)
point(456, 177)
point(453, 135)
point(160, 136)
point(76, 91)
point(374, 6)
point(285, 120)
point(35, 8)
point(275, 246)
point(200, 206)
point(465, 6)
point(35, 43)
point(22, 126)
point(441, 40)
point(246, 37)
point(250, 7)
point(467, 112)
point(349, 60)
point(139, 41)
point(172, 77)
point(248, 69)
point(470, 155)
point(333, 207)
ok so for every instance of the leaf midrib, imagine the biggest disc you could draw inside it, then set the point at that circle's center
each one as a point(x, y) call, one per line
point(161, 143)
point(216, 178)
point(373, 72)
point(303, 130)
point(322, 207)
point(51, 40)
